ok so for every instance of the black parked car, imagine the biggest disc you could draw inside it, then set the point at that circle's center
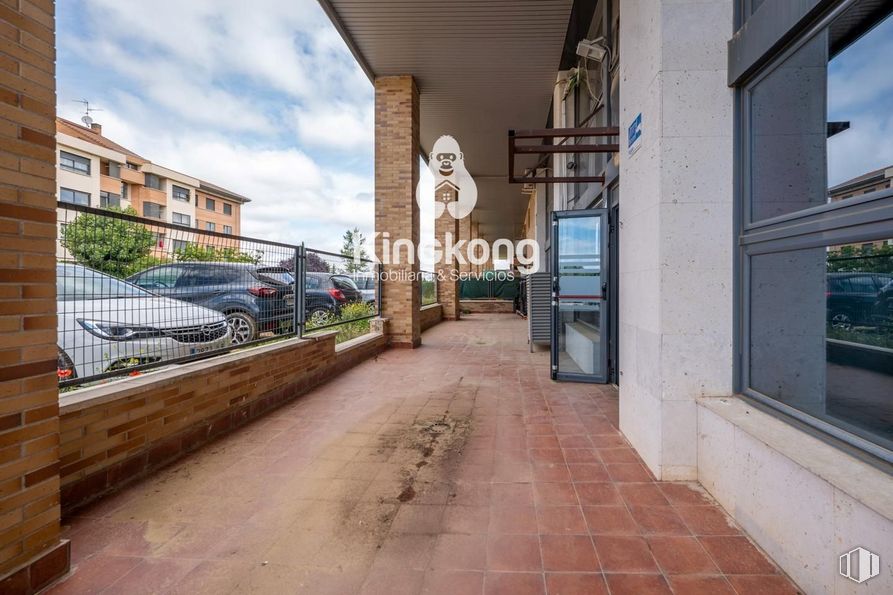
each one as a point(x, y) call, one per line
point(852, 298)
point(254, 298)
point(326, 293)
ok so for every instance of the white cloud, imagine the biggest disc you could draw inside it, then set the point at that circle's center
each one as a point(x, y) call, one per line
point(253, 99)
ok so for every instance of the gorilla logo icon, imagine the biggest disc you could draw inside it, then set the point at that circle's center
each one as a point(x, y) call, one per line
point(447, 165)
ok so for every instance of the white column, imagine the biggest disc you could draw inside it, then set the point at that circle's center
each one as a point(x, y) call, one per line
point(676, 234)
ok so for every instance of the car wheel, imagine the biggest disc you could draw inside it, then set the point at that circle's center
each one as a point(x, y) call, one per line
point(842, 321)
point(243, 326)
point(318, 317)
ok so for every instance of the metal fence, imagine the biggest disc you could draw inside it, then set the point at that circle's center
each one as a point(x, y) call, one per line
point(428, 288)
point(135, 293)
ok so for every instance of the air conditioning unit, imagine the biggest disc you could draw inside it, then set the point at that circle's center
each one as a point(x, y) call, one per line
point(539, 308)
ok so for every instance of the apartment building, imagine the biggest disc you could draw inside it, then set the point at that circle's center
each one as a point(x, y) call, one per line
point(95, 171)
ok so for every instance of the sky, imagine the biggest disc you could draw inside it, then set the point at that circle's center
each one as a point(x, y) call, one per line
point(860, 87)
point(267, 102)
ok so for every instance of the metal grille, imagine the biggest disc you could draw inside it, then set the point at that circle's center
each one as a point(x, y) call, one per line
point(135, 293)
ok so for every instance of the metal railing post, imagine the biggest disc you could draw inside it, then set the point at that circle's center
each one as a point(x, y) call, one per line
point(300, 285)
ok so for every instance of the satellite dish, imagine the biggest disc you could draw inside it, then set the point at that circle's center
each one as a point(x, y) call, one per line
point(87, 120)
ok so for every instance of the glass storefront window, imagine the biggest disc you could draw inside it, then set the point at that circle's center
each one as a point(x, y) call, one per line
point(822, 120)
point(821, 334)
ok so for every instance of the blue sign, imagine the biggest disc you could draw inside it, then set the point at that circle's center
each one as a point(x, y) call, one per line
point(634, 134)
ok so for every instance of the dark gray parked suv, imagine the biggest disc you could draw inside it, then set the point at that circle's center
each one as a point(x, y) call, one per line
point(254, 298)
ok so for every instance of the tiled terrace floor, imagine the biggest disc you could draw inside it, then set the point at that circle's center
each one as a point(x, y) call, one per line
point(455, 468)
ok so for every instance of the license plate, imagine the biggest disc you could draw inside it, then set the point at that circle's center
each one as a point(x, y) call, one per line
point(194, 350)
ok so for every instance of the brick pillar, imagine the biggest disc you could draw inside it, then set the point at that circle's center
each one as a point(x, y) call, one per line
point(31, 553)
point(465, 234)
point(396, 210)
point(445, 267)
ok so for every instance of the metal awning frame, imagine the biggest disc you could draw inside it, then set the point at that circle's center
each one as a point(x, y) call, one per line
point(550, 149)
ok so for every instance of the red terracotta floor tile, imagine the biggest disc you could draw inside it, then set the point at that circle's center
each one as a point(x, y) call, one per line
point(561, 520)
point(510, 518)
point(681, 555)
point(514, 583)
point(628, 472)
point(598, 494)
point(707, 520)
point(466, 519)
point(642, 494)
point(610, 520)
point(459, 552)
point(453, 582)
point(658, 520)
point(773, 584)
point(545, 492)
point(686, 584)
point(588, 472)
point(572, 583)
point(624, 554)
point(393, 582)
point(638, 584)
point(569, 553)
point(550, 472)
point(514, 553)
point(554, 494)
point(737, 555)
point(688, 493)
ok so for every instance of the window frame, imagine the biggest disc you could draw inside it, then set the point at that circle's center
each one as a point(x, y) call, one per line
point(863, 218)
point(175, 188)
point(74, 157)
point(155, 204)
point(175, 214)
point(212, 203)
point(228, 229)
point(73, 192)
point(227, 209)
point(104, 196)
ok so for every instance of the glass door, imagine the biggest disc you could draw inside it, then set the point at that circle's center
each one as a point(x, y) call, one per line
point(579, 300)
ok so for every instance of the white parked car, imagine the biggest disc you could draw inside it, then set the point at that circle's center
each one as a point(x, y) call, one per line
point(105, 324)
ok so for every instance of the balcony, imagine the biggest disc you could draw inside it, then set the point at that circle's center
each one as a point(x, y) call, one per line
point(457, 467)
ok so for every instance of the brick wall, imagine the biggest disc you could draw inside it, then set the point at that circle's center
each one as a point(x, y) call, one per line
point(396, 210)
point(488, 306)
point(31, 554)
point(430, 315)
point(116, 433)
point(445, 267)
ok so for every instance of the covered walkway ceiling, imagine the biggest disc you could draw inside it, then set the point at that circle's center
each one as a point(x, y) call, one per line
point(482, 67)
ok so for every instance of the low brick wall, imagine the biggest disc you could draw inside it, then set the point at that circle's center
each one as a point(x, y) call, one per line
point(115, 433)
point(487, 306)
point(430, 315)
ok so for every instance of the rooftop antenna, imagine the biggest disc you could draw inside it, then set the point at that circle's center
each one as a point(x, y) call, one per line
point(86, 118)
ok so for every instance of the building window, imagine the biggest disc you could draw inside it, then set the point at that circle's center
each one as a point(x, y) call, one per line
point(153, 181)
point(181, 219)
point(180, 193)
point(124, 191)
point(159, 239)
point(209, 204)
point(228, 229)
point(177, 245)
point(75, 197)
point(151, 209)
point(75, 163)
point(133, 166)
point(816, 283)
point(227, 209)
point(209, 226)
point(107, 199)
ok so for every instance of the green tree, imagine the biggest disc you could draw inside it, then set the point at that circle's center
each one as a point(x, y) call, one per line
point(850, 259)
point(114, 246)
point(196, 253)
point(353, 248)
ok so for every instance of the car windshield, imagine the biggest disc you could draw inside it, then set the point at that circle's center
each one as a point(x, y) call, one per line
point(75, 282)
